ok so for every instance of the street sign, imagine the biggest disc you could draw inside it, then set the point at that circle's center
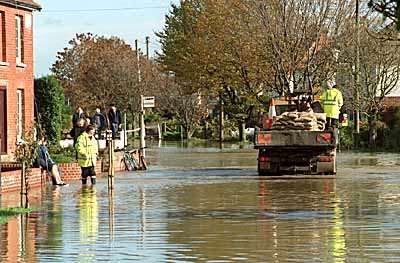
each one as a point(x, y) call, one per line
point(148, 102)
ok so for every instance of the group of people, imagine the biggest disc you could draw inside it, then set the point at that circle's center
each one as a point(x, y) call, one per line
point(84, 132)
point(80, 120)
point(86, 150)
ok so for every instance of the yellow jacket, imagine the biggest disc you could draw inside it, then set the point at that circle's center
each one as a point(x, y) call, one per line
point(87, 150)
point(332, 101)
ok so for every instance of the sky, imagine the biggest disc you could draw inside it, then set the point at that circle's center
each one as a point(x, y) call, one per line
point(59, 21)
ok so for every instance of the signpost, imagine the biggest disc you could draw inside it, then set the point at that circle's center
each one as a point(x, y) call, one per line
point(145, 102)
point(148, 102)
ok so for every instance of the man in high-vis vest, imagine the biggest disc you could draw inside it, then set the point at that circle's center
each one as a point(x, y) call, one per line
point(332, 101)
point(87, 150)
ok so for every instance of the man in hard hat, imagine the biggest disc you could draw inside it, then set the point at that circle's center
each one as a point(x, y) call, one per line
point(332, 101)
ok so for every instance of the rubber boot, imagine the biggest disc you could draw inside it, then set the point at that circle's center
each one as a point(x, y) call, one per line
point(84, 181)
point(93, 180)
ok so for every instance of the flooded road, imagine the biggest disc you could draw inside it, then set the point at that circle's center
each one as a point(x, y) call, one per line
point(204, 204)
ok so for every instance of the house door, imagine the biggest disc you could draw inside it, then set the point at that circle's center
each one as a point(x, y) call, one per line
point(3, 120)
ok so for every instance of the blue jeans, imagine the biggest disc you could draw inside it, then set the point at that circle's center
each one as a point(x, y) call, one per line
point(114, 130)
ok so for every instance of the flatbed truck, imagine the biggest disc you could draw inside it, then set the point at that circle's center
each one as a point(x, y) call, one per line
point(284, 152)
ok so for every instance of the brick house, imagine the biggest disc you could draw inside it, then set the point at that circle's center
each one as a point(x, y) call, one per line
point(16, 72)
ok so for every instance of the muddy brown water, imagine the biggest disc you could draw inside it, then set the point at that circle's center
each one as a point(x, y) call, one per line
point(206, 204)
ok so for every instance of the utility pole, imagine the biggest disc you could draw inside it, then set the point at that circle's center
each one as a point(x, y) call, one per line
point(357, 75)
point(138, 60)
point(142, 127)
point(147, 48)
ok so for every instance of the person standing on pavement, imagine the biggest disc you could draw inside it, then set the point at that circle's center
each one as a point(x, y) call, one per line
point(332, 101)
point(87, 151)
point(114, 119)
point(99, 121)
point(78, 114)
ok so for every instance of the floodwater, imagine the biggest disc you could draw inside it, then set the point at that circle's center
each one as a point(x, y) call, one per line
point(204, 204)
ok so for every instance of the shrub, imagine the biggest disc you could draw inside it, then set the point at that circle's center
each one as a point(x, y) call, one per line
point(49, 98)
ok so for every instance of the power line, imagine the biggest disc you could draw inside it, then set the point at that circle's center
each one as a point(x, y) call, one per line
point(104, 9)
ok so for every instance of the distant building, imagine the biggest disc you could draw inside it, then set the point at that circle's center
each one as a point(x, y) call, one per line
point(16, 71)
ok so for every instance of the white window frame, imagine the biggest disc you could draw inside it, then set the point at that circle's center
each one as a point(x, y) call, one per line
point(18, 39)
point(19, 114)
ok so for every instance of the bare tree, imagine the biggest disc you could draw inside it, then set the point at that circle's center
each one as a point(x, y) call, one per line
point(187, 108)
point(379, 66)
point(302, 37)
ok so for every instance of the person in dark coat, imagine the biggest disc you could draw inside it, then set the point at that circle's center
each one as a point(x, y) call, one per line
point(78, 114)
point(78, 129)
point(99, 121)
point(114, 120)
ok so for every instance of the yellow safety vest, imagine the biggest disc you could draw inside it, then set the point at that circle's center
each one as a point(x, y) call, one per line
point(332, 101)
point(87, 150)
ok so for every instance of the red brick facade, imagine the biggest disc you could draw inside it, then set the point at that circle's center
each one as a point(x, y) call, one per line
point(16, 77)
point(11, 180)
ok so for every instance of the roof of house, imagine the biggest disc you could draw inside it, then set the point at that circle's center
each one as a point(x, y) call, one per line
point(24, 4)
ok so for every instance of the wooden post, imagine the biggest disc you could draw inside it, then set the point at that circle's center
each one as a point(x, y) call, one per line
point(111, 167)
point(111, 213)
point(23, 193)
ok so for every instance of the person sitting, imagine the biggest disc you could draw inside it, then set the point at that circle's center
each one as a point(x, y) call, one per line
point(46, 163)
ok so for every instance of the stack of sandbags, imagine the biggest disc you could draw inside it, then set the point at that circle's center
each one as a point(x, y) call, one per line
point(321, 120)
point(300, 121)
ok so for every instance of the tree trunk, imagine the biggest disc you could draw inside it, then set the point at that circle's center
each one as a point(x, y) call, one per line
point(242, 128)
point(206, 130)
point(221, 120)
point(372, 131)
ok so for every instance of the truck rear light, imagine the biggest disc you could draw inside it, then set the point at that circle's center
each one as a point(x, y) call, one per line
point(263, 158)
point(324, 138)
point(264, 138)
point(325, 159)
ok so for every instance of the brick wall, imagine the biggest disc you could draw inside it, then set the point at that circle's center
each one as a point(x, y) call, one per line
point(11, 181)
point(72, 171)
point(13, 76)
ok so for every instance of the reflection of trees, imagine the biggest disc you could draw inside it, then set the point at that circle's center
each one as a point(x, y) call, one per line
point(228, 220)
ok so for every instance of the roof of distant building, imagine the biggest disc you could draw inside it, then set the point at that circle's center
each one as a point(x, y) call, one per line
point(24, 4)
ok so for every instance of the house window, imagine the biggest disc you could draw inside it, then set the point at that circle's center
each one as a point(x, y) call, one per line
point(20, 113)
point(3, 45)
point(19, 35)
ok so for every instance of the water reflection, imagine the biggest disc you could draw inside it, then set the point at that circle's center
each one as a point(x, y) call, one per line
point(211, 215)
point(88, 223)
point(111, 213)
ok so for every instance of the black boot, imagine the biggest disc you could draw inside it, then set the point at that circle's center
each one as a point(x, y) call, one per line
point(84, 181)
point(93, 180)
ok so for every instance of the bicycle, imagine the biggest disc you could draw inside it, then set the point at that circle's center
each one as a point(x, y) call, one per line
point(130, 161)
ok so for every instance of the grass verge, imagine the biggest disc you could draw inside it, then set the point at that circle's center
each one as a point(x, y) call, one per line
point(5, 213)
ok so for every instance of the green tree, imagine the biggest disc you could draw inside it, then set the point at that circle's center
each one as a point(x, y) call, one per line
point(49, 98)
